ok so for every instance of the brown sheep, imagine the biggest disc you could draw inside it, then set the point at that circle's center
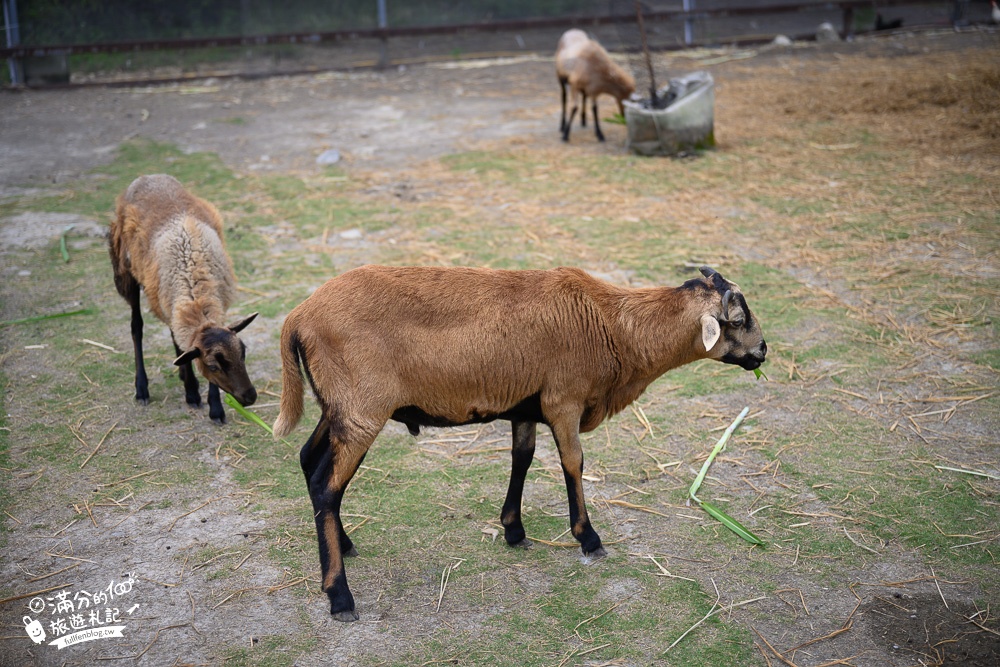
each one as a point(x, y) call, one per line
point(168, 242)
point(584, 66)
point(452, 346)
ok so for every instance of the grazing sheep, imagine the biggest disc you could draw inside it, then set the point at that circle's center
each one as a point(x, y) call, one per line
point(452, 346)
point(169, 243)
point(584, 66)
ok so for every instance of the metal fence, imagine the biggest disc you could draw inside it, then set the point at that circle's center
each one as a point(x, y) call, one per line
point(58, 41)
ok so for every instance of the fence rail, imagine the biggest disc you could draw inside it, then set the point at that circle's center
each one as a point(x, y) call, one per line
point(846, 7)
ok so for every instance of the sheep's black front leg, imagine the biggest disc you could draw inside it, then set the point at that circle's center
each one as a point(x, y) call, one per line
point(192, 392)
point(314, 455)
point(597, 125)
point(522, 453)
point(583, 111)
point(141, 381)
point(569, 123)
point(571, 455)
point(215, 409)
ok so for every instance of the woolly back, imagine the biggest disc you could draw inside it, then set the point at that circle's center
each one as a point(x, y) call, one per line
point(171, 241)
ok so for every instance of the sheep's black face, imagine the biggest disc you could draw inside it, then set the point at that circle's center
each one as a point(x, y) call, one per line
point(741, 335)
point(221, 359)
point(739, 339)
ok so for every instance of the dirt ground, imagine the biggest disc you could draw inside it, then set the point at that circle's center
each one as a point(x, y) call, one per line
point(388, 128)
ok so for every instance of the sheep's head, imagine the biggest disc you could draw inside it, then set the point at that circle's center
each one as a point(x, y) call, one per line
point(730, 332)
point(626, 86)
point(220, 357)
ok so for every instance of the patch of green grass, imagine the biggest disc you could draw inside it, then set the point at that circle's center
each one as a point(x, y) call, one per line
point(203, 173)
point(619, 613)
point(269, 651)
point(489, 165)
point(792, 207)
point(989, 358)
point(851, 467)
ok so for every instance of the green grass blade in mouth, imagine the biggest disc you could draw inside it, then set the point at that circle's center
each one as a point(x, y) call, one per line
point(247, 414)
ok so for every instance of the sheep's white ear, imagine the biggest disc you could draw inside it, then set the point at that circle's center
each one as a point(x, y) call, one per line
point(710, 331)
point(187, 357)
point(242, 324)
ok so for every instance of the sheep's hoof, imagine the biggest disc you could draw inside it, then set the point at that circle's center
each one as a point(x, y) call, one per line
point(596, 554)
point(353, 551)
point(219, 419)
point(348, 616)
point(194, 401)
point(142, 401)
point(523, 544)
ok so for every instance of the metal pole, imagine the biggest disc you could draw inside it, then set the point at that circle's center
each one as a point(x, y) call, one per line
point(383, 23)
point(13, 39)
point(688, 23)
point(645, 53)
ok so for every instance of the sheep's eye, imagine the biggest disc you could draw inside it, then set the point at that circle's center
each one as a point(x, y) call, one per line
point(737, 321)
point(212, 368)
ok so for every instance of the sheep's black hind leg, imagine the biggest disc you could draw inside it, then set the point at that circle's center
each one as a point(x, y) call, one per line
point(522, 453)
point(583, 111)
point(215, 409)
point(562, 119)
point(192, 393)
point(313, 455)
point(327, 484)
point(141, 381)
point(597, 126)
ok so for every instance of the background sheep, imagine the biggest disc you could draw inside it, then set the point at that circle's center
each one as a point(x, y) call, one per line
point(453, 346)
point(169, 243)
point(584, 66)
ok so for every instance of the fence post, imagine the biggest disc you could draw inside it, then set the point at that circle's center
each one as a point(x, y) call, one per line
point(13, 39)
point(848, 23)
point(383, 23)
point(688, 23)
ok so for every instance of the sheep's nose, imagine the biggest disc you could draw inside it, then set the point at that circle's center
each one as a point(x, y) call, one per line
point(249, 398)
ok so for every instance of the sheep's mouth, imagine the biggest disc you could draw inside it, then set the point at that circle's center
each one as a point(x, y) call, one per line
point(748, 362)
point(244, 398)
point(247, 399)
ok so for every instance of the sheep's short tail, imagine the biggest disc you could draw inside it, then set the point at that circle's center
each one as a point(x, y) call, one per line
point(291, 383)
